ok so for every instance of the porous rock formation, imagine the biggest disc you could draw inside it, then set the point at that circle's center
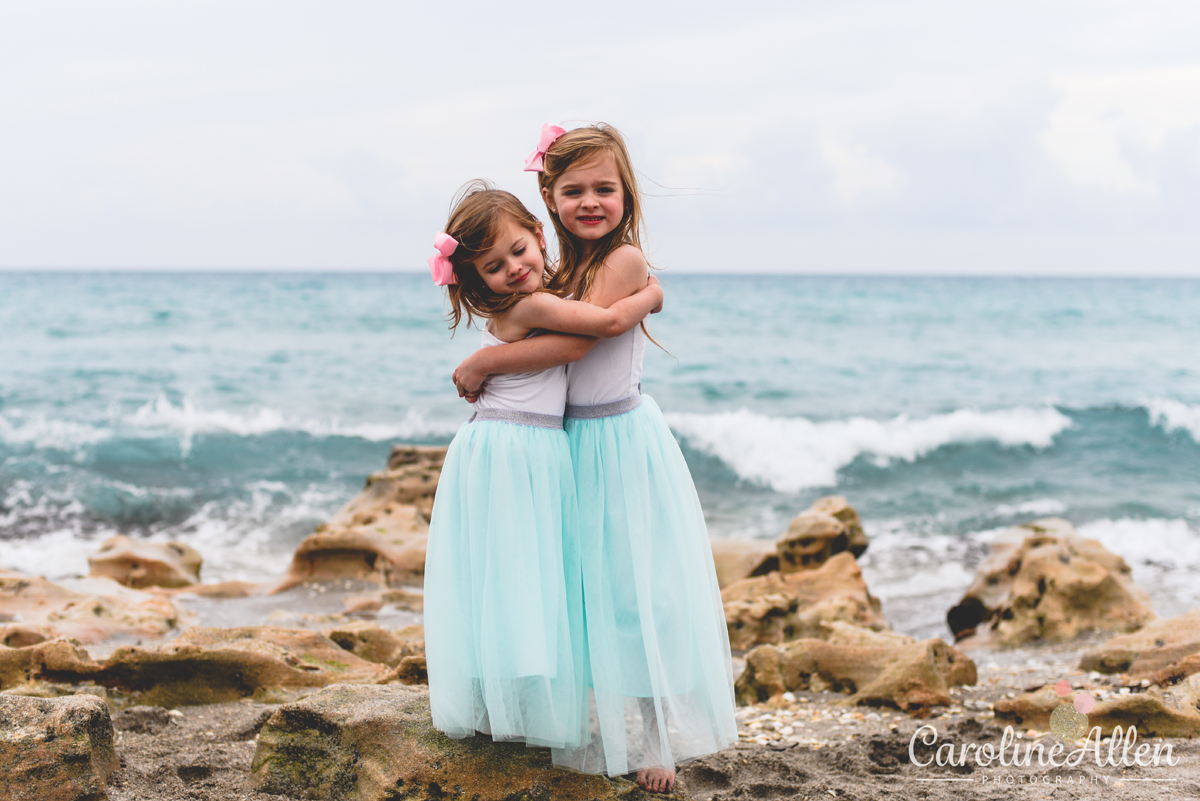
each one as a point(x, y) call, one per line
point(1043, 582)
point(1167, 710)
point(201, 666)
point(829, 527)
point(826, 528)
point(55, 749)
point(89, 610)
point(373, 743)
point(1171, 646)
point(776, 607)
point(140, 564)
point(875, 668)
point(380, 535)
point(403, 650)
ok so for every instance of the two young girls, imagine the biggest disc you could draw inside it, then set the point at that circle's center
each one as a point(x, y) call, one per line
point(620, 662)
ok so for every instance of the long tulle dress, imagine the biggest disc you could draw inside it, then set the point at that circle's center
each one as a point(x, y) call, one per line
point(659, 673)
point(503, 594)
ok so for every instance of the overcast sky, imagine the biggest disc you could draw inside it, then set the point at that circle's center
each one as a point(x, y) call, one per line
point(1012, 137)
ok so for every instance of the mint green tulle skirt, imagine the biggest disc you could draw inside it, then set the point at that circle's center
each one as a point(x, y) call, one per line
point(658, 677)
point(503, 613)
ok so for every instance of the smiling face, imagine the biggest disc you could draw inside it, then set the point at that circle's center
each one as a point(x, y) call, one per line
point(514, 263)
point(589, 200)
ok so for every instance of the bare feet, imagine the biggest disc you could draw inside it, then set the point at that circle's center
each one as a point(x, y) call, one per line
point(656, 780)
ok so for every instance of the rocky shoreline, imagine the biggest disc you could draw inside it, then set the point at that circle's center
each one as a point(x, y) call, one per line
point(141, 682)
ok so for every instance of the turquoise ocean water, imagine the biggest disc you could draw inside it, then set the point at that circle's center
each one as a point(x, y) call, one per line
point(236, 411)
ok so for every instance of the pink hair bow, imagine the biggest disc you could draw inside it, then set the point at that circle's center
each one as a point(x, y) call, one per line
point(549, 134)
point(439, 265)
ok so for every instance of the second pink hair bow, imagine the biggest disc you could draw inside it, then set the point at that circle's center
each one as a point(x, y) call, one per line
point(549, 134)
point(439, 265)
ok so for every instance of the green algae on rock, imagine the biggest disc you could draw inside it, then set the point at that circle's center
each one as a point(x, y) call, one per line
point(371, 742)
point(55, 749)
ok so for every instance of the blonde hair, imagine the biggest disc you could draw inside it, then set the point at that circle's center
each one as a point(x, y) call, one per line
point(574, 149)
point(475, 217)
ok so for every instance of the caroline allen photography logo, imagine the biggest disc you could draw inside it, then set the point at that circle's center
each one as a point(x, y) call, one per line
point(1069, 722)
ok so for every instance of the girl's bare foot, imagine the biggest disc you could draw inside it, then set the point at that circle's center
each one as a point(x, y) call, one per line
point(656, 780)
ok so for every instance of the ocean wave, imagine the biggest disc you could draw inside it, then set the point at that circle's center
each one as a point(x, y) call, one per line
point(188, 419)
point(46, 433)
point(793, 453)
point(1172, 415)
point(1162, 543)
point(1039, 507)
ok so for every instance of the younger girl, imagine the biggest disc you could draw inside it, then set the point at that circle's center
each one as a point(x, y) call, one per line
point(503, 617)
point(657, 648)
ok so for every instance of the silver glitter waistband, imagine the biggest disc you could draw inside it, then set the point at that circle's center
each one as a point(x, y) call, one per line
point(520, 418)
point(604, 409)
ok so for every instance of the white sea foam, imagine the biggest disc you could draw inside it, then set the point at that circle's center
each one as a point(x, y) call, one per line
point(43, 432)
point(188, 419)
point(1039, 507)
point(793, 453)
point(1173, 415)
point(1163, 554)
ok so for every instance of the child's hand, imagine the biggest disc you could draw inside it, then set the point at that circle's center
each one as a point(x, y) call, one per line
point(652, 281)
point(468, 381)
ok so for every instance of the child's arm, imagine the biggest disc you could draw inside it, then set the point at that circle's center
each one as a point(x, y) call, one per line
point(624, 274)
point(544, 310)
point(537, 353)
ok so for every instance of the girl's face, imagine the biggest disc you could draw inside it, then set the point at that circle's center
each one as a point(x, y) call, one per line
point(514, 264)
point(589, 199)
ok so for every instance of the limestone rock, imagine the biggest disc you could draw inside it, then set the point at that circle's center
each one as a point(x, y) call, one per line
point(380, 535)
point(90, 610)
point(55, 749)
point(389, 549)
point(140, 564)
point(828, 527)
point(222, 589)
point(838, 507)
point(55, 661)
point(374, 643)
point(1157, 647)
point(1042, 581)
point(739, 559)
point(410, 479)
point(909, 675)
point(1156, 711)
point(210, 666)
point(378, 742)
point(776, 608)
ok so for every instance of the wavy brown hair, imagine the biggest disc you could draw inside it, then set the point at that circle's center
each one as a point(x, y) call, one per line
point(578, 148)
point(475, 218)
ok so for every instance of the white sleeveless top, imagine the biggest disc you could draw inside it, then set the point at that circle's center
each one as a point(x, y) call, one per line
point(610, 371)
point(540, 392)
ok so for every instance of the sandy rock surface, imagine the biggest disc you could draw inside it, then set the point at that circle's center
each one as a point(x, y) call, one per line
point(90, 610)
point(1163, 645)
point(140, 564)
point(375, 743)
point(909, 675)
point(55, 749)
point(201, 666)
point(776, 608)
point(370, 641)
point(1043, 582)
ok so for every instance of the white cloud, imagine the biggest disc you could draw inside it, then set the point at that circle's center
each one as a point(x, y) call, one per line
point(1105, 120)
point(858, 172)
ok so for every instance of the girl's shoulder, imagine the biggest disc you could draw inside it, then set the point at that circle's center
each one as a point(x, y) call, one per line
point(626, 258)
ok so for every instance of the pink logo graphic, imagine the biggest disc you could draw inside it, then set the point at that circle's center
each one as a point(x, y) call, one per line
point(1070, 721)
